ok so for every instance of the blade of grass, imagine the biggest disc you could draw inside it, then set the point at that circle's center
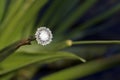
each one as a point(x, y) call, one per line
point(95, 20)
point(97, 42)
point(73, 16)
point(86, 69)
point(10, 28)
point(22, 59)
point(28, 30)
point(31, 7)
point(12, 9)
point(30, 16)
point(62, 45)
point(53, 47)
point(2, 9)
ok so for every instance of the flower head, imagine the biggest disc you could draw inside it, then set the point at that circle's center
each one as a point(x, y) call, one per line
point(43, 36)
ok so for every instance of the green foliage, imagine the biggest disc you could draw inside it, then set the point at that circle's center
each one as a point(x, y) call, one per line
point(85, 69)
point(22, 59)
point(18, 20)
point(2, 9)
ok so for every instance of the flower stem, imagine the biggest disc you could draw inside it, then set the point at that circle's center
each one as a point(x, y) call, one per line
point(97, 42)
point(5, 52)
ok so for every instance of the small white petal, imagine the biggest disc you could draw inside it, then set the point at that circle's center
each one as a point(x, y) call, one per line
point(43, 36)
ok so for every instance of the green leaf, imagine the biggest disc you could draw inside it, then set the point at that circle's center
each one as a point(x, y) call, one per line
point(13, 7)
point(5, 52)
point(28, 31)
point(25, 14)
point(2, 9)
point(22, 59)
point(53, 47)
point(86, 69)
point(10, 26)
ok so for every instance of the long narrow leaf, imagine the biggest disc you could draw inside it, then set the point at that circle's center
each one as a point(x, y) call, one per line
point(30, 7)
point(2, 8)
point(22, 59)
point(10, 27)
point(11, 11)
point(86, 69)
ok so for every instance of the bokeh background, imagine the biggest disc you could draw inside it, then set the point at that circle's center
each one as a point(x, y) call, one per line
point(76, 20)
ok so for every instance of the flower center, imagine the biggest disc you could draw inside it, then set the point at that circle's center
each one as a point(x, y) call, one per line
point(44, 35)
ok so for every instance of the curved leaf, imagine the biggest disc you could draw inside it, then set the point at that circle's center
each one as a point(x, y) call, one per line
point(19, 60)
point(86, 69)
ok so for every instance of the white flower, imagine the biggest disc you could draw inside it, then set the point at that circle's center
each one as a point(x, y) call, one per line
point(43, 36)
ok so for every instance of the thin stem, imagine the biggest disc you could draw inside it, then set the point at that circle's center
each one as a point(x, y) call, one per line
point(26, 41)
point(97, 42)
point(5, 52)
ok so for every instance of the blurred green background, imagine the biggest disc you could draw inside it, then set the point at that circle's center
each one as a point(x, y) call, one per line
point(70, 21)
